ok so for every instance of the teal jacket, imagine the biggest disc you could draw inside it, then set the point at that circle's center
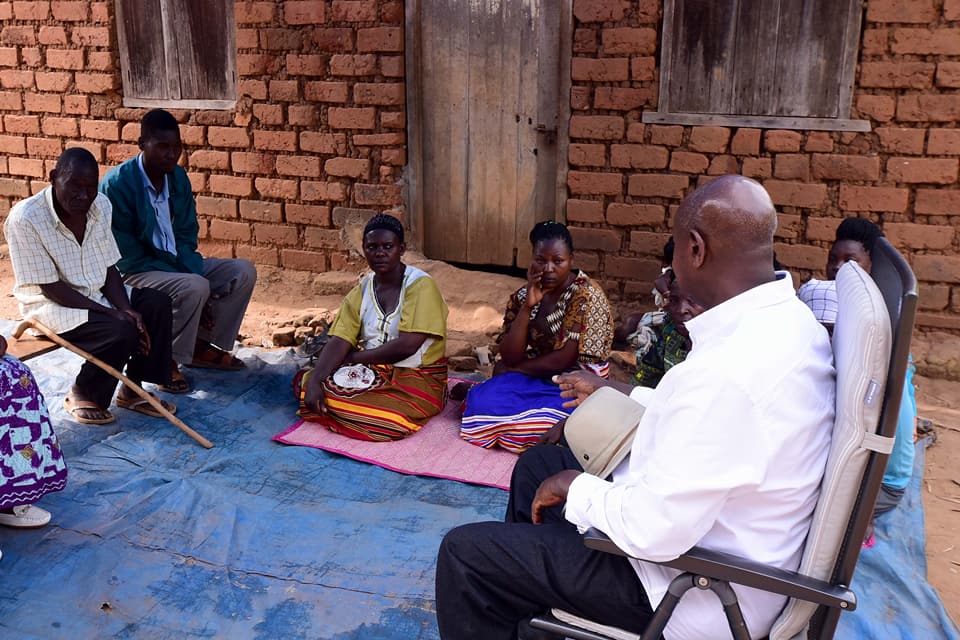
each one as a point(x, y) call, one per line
point(134, 221)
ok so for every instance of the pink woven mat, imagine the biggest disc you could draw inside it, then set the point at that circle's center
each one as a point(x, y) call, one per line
point(436, 451)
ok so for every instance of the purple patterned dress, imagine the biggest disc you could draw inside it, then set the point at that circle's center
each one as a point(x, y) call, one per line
point(31, 463)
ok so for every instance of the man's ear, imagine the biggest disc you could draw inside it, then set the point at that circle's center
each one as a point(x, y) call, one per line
point(140, 142)
point(53, 175)
point(698, 249)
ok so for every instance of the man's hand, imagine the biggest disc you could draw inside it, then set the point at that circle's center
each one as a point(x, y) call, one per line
point(207, 319)
point(313, 394)
point(552, 491)
point(554, 435)
point(137, 320)
point(577, 385)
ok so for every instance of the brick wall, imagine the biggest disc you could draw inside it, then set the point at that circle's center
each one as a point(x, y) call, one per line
point(626, 178)
point(318, 132)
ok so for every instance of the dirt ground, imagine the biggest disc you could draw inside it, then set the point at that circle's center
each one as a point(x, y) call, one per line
point(284, 300)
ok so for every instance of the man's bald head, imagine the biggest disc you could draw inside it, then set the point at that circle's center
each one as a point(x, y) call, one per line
point(724, 237)
point(76, 158)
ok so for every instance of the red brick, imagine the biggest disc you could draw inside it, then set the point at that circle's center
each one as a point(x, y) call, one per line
point(848, 168)
point(937, 201)
point(100, 61)
point(334, 40)
point(796, 194)
point(53, 81)
point(304, 11)
point(64, 127)
point(669, 135)
point(90, 36)
point(948, 74)
point(44, 102)
point(232, 137)
point(13, 79)
point(306, 65)
point(21, 124)
point(354, 11)
point(879, 108)
point(600, 69)
point(248, 39)
point(305, 166)
point(268, 114)
point(935, 298)
point(628, 40)
point(585, 40)
point(745, 142)
point(599, 10)
point(258, 255)
point(393, 119)
point(47, 147)
point(638, 156)
point(687, 162)
point(642, 69)
point(225, 208)
point(379, 93)
point(351, 118)
point(275, 140)
point(659, 185)
point(709, 139)
point(623, 98)
point(591, 182)
point(336, 92)
point(801, 256)
point(636, 132)
point(938, 321)
point(13, 145)
point(874, 42)
point(587, 155)
point(227, 230)
point(943, 142)
point(96, 148)
point(273, 188)
point(922, 170)
point(311, 191)
point(585, 211)
point(919, 236)
point(380, 39)
point(206, 159)
point(933, 268)
point(31, 10)
point(100, 129)
point(896, 75)
point(244, 162)
point(792, 166)
point(917, 11)
point(29, 167)
point(329, 143)
point(307, 214)
point(377, 194)
point(606, 240)
point(951, 9)
point(281, 39)
point(52, 35)
point(928, 108)
point(854, 198)
point(323, 238)
point(9, 57)
point(117, 153)
point(254, 64)
point(379, 139)
point(298, 260)
point(11, 101)
point(580, 98)
point(285, 90)
point(76, 105)
point(254, 12)
point(822, 229)
point(788, 226)
point(897, 140)
point(231, 185)
point(31, 57)
point(96, 82)
point(353, 65)
point(277, 234)
point(391, 66)
point(927, 41)
point(597, 127)
point(779, 141)
point(819, 141)
point(633, 215)
point(15, 188)
point(22, 35)
point(648, 242)
point(302, 115)
point(71, 11)
point(723, 165)
point(644, 269)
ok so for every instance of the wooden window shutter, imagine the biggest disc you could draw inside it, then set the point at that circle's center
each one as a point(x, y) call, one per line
point(178, 53)
point(766, 63)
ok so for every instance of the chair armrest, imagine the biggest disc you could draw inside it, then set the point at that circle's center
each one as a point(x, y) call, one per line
point(731, 568)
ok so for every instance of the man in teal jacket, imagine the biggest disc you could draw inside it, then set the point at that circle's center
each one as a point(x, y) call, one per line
point(155, 225)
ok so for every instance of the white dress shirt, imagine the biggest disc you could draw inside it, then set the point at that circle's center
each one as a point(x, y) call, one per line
point(728, 456)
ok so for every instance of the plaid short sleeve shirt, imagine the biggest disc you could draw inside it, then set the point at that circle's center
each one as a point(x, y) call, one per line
point(44, 251)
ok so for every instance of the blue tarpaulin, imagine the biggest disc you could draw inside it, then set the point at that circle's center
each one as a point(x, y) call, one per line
point(156, 537)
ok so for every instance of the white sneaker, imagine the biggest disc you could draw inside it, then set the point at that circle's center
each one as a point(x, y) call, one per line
point(26, 516)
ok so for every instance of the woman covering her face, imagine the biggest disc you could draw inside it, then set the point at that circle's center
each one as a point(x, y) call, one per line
point(559, 321)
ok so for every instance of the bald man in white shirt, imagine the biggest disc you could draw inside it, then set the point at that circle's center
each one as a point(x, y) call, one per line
point(729, 456)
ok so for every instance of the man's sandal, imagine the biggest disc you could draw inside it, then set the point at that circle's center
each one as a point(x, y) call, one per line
point(74, 407)
point(140, 405)
point(215, 358)
point(178, 383)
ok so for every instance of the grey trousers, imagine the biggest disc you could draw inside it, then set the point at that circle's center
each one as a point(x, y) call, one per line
point(226, 282)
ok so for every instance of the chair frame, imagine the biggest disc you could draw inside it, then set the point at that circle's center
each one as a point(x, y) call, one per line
point(713, 570)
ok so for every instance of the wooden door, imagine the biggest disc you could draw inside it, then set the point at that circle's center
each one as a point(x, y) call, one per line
point(484, 92)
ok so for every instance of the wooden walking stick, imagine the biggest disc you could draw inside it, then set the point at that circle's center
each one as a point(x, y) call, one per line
point(154, 402)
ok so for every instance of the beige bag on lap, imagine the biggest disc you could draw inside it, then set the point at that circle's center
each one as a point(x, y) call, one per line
point(600, 431)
